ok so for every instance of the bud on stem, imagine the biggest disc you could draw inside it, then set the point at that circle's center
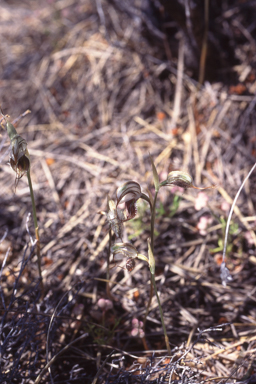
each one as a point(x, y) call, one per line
point(180, 179)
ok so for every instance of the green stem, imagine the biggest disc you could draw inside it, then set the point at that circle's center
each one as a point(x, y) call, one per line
point(38, 253)
point(107, 274)
point(153, 282)
point(152, 236)
point(153, 216)
point(161, 315)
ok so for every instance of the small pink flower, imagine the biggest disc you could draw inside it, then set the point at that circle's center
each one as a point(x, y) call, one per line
point(137, 328)
point(137, 332)
point(225, 206)
point(136, 323)
point(201, 201)
point(203, 223)
point(249, 237)
point(105, 305)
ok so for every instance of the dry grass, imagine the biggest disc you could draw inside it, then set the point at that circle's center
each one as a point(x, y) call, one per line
point(104, 94)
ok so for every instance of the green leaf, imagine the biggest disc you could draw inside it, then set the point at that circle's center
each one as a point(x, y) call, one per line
point(151, 262)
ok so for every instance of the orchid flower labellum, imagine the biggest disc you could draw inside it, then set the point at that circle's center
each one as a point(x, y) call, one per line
point(129, 193)
point(127, 250)
point(130, 252)
point(130, 264)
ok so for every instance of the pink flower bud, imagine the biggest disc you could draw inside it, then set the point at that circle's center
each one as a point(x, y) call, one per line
point(134, 332)
point(101, 303)
point(249, 237)
point(203, 223)
point(225, 206)
point(137, 328)
point(105, 304)
point(201, 201)
point(135, 323)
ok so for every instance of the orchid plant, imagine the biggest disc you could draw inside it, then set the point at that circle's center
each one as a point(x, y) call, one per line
point(128, 194)
point(20, 163)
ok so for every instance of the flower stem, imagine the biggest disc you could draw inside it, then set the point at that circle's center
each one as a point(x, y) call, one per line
point(107, 274)
point(152, 237)
point(153, 282)
point(153, 216)
point(38, 252)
